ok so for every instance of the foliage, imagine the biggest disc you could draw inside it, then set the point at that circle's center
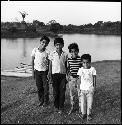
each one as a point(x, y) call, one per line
point(109, 28)
point(38, 23)
point(55, 27)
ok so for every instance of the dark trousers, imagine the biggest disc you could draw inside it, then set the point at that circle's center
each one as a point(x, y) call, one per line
point(59, 88)
point(42, 86)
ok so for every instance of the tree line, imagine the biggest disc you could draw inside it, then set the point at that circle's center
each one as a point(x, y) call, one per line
point(37, 28)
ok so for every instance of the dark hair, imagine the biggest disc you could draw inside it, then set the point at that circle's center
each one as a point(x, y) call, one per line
point(86, 56)
point(73, 46)
point(45, 38)
point(58, 40)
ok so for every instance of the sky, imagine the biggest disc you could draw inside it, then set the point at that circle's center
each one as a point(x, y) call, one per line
point(64, 12)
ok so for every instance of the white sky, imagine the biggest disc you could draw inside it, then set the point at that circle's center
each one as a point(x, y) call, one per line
point(64, 12)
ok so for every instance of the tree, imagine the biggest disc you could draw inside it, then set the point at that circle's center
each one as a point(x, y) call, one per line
point(23, 15)
point(56, 27)
point(13, 29)
point(89, 25)
point(98, 24)
point(38, 23)
point(51, 22)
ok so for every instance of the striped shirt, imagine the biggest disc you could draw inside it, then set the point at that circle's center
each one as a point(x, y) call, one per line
point(74, 65)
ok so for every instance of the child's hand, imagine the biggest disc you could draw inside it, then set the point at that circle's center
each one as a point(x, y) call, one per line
point(33, 74)
point(94, 89)
point(49, 77)
point(76, 86)
point(67, 78)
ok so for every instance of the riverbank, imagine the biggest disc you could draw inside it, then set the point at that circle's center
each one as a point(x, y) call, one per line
point(26, 34)
point(19, 100)
point(49, 34)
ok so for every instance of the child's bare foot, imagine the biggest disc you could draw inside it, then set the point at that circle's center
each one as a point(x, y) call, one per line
point(89, 117)
point(70, 110)
point(83, 116)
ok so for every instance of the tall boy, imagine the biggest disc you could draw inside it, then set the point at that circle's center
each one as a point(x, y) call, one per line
point(57, 70)
point(40, 70)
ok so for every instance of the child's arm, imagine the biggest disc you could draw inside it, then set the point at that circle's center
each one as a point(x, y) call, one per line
point(79, 82)
point(33, 72)
point(67, 70)
point(50, 71)
point(67, 65)
point(94, 81)
point(79, 77)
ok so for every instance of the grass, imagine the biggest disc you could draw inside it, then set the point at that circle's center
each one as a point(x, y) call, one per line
point(19, 100)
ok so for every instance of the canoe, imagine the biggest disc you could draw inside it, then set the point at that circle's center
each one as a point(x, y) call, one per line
point(20, 72)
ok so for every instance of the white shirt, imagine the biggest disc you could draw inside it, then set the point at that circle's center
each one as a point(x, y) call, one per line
point(58, 63)
point(41, 59)
point(86, 77)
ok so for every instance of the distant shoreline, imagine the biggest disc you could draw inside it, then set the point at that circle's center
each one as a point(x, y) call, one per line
point(27, 35)
point(37, 29)
point(24, 74)
point(49, 34)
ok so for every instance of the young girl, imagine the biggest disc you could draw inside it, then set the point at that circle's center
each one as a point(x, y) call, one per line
point(40, 70)
point(87, 80)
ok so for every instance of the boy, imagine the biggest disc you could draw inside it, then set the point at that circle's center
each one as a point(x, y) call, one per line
point(40, 70)
point(73, 64)
point(87, 79)
point(57, 70)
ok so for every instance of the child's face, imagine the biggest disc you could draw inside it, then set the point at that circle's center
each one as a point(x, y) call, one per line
point(74, 53)
point(58, 46)
point(43, 44)
point(86, 64)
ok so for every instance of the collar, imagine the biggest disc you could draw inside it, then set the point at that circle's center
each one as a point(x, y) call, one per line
point(76, 57)
point(42, 51)
point(57, 53)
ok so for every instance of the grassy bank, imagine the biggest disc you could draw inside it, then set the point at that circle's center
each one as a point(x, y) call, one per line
point(49, 34)
point(19, 100)
point(26, 34)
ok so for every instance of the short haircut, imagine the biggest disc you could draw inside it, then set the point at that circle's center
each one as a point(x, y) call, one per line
point(86, 56)
point(45, 38)
point(73, 46)
point(58, 40)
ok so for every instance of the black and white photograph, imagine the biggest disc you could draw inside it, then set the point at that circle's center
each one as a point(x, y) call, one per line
point(60, 62)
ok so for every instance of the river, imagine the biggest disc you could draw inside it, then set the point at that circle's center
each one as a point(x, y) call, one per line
point(101, 47)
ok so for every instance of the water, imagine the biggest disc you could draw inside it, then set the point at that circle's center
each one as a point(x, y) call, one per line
point(101, 47)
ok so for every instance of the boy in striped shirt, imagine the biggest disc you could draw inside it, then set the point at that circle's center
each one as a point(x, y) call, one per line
point(73, 64)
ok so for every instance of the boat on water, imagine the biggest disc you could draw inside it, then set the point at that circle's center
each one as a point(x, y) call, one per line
point(23, 70)
point(18, 74)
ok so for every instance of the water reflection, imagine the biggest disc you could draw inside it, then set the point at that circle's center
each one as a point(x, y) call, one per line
point(24, 53)
point(16, 51)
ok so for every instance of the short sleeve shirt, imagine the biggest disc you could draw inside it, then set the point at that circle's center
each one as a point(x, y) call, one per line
point(58, 63)
point(86, 77)
point(74, 65)
point(41, 59)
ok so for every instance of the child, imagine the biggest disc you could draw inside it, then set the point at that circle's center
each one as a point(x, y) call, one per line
point(73, 64)
point(87, 79)
point(40, 70)
point(57, 68)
